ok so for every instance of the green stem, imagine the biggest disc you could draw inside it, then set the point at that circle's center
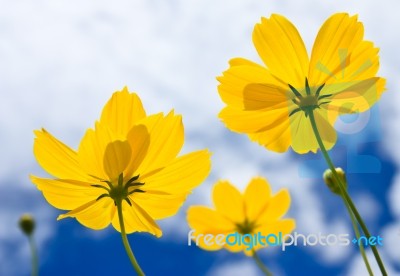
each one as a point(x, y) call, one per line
point(35, 269)
point(126, 242)
point(357, 232)
point(343, 191)
point(260, 264)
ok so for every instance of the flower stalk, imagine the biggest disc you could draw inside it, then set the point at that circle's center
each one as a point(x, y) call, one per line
point(343, 192)
point(357, 232)
point(27, 225)
point(32, 245)
point(260, 264)
point(125, 240)
point(334, 187)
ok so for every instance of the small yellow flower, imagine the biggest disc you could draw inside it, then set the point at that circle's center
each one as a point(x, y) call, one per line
point(271, 103)
point(255, 211)
point(128, 156)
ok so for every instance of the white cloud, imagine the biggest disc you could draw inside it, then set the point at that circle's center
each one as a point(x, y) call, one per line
point(368, 207)
point(239, 268)
point(391, 241)
point(393, 197)
point(60, 62)
point(357, 266)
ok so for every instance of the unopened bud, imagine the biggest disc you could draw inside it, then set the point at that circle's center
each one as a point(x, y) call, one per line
point(27, 224)
point(331, 182)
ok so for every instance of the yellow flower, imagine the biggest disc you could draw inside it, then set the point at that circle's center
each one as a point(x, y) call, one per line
point(127, 156)
point(255, 211)
point(271, 103)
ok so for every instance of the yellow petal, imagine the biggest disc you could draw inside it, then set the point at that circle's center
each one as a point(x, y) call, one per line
point(94, 214)
point(266, 96)
point(207, 221)
point(56, 158)
point(256, 197)
point(116, 158)
point(122, 112)
point(92, 151)
point(362, 63)
point(281, 48)
point(283, 226)
point(278, 206)
point(354, 97)
point(66, 194)
point(233, 247)
point(265, 106)
point(243, 61)
point(277, 138)
point(139, 141)
point(303, 137)
point(213, 242)
point(241, 74)
point(207, 241)
point(159, 205)
point(136, 220)
point(336, 40)
point(252, 121)
point(286, 226)
point(269, 125)
point(228, 201)
point(166, 189)
point(166, 140)
point(180, 176)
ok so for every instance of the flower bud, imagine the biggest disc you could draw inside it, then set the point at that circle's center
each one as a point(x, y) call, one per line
point(331, 181)
point(27, 224)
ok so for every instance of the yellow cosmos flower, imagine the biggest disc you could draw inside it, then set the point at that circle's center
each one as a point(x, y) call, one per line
point(255, 211)
point(128, 157)
point(271, 103)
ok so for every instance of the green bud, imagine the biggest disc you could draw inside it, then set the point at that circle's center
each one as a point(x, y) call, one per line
point(27, 224)
point(331, 181)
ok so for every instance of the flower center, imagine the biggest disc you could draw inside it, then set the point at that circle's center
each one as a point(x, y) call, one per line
point(120, 191)
point(245, 227)
point(309, 102)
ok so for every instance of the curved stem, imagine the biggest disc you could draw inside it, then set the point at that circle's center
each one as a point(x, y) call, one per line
point(126, 242)
point(260, 264)
point(357, 232)
point(343, 191)
point(35, 269)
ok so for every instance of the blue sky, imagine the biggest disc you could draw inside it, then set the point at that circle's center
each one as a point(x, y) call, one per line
point(61, 61)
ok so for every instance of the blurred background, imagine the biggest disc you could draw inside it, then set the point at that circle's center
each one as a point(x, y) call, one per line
point(60, 61)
